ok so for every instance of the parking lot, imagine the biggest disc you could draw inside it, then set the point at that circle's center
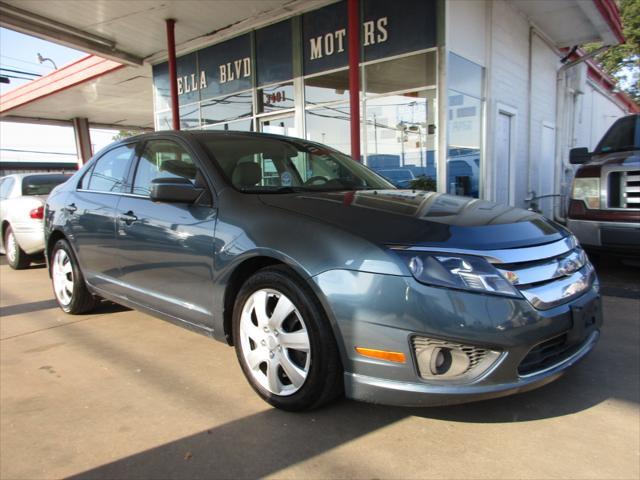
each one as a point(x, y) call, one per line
point(120, 394)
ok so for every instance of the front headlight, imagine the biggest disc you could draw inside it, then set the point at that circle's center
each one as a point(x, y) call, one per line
point(587, 190)
point(457, 271)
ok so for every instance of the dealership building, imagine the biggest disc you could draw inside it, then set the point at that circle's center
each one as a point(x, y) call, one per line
point(484, 97)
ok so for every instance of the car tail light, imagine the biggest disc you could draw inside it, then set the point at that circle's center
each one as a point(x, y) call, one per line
point(37, 213)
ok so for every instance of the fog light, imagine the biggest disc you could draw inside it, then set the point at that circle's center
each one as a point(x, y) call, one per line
point(440, 360)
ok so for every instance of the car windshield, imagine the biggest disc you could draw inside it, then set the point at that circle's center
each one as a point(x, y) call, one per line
point(42, 184)
point(624, 134)
point(271, 165)
point(397, 174)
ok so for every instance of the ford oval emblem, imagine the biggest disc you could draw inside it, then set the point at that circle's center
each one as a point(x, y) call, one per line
point(567, 267)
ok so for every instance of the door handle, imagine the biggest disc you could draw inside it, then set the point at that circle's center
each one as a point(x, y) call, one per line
point(128, 217)
point(71, 208)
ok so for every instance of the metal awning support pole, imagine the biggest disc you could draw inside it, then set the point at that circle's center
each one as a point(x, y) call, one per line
point(353, 15)
point(173, 73)
point(83, 140)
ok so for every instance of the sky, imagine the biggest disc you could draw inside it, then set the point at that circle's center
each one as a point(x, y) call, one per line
point(22, 142)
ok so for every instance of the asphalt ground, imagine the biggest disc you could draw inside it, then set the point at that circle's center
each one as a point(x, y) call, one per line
point(119, 394)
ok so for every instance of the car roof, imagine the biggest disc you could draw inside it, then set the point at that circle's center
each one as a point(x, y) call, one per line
point(29, 174)
point(210, 133)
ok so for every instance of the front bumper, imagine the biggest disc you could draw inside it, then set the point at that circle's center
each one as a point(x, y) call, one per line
point(623, 236)
point(385, 312)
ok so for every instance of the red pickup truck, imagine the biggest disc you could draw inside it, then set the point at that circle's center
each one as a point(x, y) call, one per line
point(604, 209)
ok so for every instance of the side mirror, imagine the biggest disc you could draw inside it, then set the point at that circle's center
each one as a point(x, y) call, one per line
point(578, 156)
point(174, 190)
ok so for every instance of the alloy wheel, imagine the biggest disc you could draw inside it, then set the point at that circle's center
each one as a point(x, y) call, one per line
point(11, 247)
point(274, 342)
point(62, 273)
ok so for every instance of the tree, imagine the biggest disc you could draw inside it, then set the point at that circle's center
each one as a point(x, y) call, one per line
point(125, 134)
point(423, 183)
point(622, 62)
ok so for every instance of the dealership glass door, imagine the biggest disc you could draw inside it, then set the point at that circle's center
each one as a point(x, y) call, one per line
point(279, 125)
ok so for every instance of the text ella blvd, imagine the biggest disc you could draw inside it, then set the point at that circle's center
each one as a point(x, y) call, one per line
point(228, 72)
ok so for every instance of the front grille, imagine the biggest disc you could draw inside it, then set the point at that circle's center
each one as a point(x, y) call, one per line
point(547, 354)
point(624, 189)
point(551, 280)
point(631, 189)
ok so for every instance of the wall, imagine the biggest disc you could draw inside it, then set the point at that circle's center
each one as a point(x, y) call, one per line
point(466, 29)
point(544, 65)
point(595, 113)
point(507, 87)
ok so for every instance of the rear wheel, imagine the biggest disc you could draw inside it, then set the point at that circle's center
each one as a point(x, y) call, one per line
point(16, 257)
point(284, 343)
point(68, 283)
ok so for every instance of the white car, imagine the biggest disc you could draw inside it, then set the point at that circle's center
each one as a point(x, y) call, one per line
point(22, 200)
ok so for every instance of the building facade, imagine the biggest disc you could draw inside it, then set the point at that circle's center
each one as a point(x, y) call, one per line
point(465, 92)
point(485, 97)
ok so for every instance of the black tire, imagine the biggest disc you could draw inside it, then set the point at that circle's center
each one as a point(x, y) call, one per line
point(81, 301)
point(20, 259)
point(324, 381)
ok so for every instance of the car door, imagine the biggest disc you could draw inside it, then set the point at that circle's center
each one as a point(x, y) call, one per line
point(91, 210)
point(166, 249)
point(6, 186)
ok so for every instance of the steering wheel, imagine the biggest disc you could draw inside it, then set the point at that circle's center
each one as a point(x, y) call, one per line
point(316, 178)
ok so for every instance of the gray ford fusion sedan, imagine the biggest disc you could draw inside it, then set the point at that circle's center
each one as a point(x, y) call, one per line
point(324, 277)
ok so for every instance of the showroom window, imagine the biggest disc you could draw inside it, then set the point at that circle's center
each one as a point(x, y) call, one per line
point(330, 126)
point(227, 108)
point(400, 117)
point(327, 88)
point(464, 132)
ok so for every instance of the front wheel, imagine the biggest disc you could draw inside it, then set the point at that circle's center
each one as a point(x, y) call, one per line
point(69, 286)
point(16, 257)
point(284, 343)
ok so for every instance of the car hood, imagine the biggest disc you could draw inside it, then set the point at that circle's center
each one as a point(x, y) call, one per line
point(417, 218)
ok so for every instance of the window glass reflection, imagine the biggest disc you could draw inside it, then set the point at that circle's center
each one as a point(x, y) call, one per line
point(400, 74)
point(240, 126)
point(327, 88)
point(164, 121)
point(464, 127)
point(229, 107)
point(330, 126)
point(276, 98)
point(401, 136)
point(190, 116)
point(279, 126)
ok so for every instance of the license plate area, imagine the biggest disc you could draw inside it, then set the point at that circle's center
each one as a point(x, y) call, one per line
point(585, 319)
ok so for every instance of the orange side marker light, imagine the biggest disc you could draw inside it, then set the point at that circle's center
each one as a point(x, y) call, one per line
point(396, 357)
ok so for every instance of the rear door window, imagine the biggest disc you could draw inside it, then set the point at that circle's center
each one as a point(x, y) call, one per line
point(110, 172)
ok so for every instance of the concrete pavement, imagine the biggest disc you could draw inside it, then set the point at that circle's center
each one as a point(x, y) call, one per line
point(119, 394)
